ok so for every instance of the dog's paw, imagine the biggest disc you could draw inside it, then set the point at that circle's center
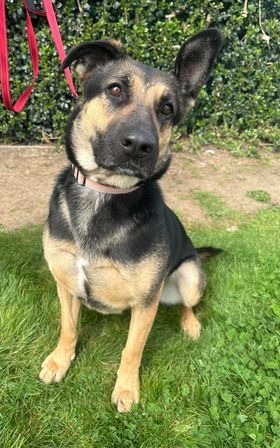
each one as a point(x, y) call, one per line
point(124, 395)
point(55, 367)
point(192, 327)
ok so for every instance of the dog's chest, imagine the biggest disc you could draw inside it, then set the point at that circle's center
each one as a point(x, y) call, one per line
point(110, 286)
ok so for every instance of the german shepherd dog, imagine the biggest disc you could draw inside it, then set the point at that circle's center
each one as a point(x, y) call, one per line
point(110, 241)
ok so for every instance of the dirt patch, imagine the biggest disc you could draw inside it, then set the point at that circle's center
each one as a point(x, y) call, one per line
point(26, 179)
point(230, 178)
point(27, 175)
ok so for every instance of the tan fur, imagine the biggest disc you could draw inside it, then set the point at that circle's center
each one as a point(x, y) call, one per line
point(60, 256)
point(164, 148)
point(115, 180)
point(100, 281)
point(137, 86)
point(155, 92)
point(55, 366)
point(117, 285)
point(164, 139)
point(81, 71)
point(52, 246)
point(147, 94)
point(82, 146)
point(126, 391)
point(93, 117)
point(97, 116)
point(188, 280)
point(190, 323)
point(122, 286)
point(65, 210)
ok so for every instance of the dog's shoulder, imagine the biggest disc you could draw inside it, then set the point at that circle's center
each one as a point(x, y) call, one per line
point(180, 246)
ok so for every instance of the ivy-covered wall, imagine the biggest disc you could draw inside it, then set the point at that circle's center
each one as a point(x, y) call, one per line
point(241, 96)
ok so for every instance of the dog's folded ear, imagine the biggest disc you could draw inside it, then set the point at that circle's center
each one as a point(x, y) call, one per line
point(195, 60)
point(89, 55)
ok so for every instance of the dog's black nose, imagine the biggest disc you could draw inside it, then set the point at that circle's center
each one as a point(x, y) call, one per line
point(138, 144)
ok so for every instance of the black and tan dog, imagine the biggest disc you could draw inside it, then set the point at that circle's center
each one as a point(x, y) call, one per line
point(110, 241)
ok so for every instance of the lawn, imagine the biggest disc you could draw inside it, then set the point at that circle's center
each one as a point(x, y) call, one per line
point(222, 391)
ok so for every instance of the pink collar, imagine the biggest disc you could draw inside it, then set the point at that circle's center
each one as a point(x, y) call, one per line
point(86, 182)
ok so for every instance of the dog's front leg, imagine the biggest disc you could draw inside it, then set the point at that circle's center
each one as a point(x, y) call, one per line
point(127, 387)
point(55, 366)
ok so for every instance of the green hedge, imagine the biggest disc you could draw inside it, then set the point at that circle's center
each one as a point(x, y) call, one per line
point(241, 97)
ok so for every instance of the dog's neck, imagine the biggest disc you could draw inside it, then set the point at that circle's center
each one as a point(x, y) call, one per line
point(83, 180)
point(97, 219)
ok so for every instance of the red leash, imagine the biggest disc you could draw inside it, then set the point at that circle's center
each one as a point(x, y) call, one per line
point(49, 13)
point(57, 40)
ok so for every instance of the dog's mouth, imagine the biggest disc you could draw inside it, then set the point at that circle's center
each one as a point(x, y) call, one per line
point(116, 176)
point(126, 171)
point(131, 170)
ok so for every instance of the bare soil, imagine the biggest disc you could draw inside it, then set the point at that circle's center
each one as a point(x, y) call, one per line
point(27, 176)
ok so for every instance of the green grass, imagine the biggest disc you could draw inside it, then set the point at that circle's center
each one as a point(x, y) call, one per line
point(222, 391)
point(215, 208)
point(259, 195)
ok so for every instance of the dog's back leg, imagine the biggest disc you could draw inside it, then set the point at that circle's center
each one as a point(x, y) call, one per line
point(190, 281)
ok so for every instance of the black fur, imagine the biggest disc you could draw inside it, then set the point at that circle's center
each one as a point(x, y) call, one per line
point(130, 227)
point(151, 227)
point(110, 241)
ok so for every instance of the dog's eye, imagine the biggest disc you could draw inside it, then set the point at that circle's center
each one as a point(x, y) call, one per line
point(115, 90)
point(167, 109)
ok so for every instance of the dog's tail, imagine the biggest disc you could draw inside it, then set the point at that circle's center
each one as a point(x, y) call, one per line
point(206, 252)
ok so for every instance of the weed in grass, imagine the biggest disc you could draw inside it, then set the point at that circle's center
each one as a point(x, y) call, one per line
point(215, 207)
point(178, 147)
point(221, 391)
point(259, 195)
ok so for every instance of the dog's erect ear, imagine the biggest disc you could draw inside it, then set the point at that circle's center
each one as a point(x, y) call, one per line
point(196, 58)
point(89, 55)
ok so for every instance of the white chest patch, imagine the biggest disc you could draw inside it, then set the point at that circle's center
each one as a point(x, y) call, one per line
point(81, 263)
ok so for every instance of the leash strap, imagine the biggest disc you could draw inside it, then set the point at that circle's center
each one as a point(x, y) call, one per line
point(58, 41)
point(33, 50)
point(4, 64)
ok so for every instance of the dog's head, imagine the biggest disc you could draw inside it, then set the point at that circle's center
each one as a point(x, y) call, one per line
point(119, 134)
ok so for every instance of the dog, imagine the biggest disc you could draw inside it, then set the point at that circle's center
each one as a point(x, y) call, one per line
point(110, 241)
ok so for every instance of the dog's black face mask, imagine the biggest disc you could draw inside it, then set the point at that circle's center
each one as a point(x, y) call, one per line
point(120, 133)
